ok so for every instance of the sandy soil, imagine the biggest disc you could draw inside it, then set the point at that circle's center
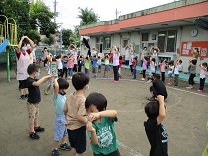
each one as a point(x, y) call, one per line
point(185, 121)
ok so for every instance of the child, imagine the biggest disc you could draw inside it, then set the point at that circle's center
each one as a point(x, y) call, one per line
point(87, 65)
point(162, 69)
point(144, 67)
point(65, 65)
point(99, 64)
point(156, 132)
point(120, 66)
point(60, 65)
point(80, 63)
point(61, 86)
point(192, 64)
point(176, 72)
point(70, 66)
point(107, 67)
point(116, 55)
point(100, 126)
point(95, 66)
point(170, 71)
point(152, 68)
point(34, 99)
point(202, 76)
point(134, 67)
point(75, 112)
point(52, 68)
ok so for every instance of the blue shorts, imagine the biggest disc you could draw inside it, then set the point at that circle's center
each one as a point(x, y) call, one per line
point(107, 67)
point(170, 75)
point(59, 127)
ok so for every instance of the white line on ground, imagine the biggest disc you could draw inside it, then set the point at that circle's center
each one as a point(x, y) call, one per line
point(131, 151)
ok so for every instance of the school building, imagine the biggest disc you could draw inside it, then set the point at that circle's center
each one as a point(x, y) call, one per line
point(168, 26)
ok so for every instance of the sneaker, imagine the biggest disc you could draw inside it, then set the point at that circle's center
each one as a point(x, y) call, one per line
point(115, 81)
point(65, 147)
point(34, 136)
point(26, 96)
point(39, 129)
point(143, 79)
point(189, 87)
point(106, 76)
point(46, 92)
point(176, 86)
point(151, 99)
point(55, 152)
point(22, 97)
point(199, 90)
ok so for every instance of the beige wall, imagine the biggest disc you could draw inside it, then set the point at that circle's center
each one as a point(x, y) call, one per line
point(201, 36)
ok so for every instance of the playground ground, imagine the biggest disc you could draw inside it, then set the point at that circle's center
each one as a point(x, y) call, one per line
point(185, 121)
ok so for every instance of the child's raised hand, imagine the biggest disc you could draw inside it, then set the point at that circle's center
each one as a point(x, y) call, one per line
point(160, 98)
point(94, 116)
point(50, 75)
point(90, 127)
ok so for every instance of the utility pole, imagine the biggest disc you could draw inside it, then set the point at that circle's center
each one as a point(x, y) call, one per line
point(117, 12)
point(55, 22)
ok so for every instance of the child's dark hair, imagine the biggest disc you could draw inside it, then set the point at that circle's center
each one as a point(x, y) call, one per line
point(98, 57)
point(153, 59)
point(120, 57)
point(152, 109)
point(171, 62)
point(63, 84)
point(65, 57)
point(194, 62)
point(80, 80)
point(32, 68)
point(180, 61)
point(54, 59)
point(96, 99)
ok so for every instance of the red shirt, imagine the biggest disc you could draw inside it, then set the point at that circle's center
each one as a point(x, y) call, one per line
point(120, 63)
point(134, 64)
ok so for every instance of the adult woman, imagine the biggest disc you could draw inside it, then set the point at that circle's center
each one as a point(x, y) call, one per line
point(116, 55)
point(23, 61)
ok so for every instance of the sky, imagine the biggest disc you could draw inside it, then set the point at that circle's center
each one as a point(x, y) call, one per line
point(106, 9)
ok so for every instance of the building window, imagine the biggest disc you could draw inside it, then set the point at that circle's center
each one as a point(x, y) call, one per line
point(171, 41)
point(125, 42)
point(106, 43)
point(167, 41)
point(162, 40)
point(99, 44)
point(145, 36)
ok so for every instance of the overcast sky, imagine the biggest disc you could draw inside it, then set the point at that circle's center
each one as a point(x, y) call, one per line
point(68, 9)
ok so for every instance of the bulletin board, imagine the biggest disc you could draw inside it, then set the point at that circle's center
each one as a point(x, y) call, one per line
point(186, 48)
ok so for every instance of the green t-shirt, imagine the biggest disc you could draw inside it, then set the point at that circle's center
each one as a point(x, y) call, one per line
point(105, 132)
point(87, 64)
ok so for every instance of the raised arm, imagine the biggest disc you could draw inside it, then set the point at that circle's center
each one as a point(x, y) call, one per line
point(56, 87)
point(162, 109)
point(31, 43)
point(106, 113)
point(42, 80)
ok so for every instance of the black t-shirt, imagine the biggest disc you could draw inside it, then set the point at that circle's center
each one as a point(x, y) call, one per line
point(160, 88)
point(34, 91)
point(157, 137)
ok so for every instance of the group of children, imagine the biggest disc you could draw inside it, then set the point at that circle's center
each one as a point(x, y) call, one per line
point(74, 115)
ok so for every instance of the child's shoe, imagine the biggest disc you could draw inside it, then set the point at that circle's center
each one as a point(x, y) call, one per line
point(39, 129)
point(26, 96)
point(22, 97)
point(55, 152)
point(199, 90)
point(46, 92)
point(65, 147)
point(34, 136)
point(143, 79)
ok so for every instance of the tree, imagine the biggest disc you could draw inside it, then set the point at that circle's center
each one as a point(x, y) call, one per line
point(66, 34)
point(41, 16)
point(49, 40)
point(87, 16)
point(34, 35)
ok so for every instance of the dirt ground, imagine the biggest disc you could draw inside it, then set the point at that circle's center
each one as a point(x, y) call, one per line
point(185, 121)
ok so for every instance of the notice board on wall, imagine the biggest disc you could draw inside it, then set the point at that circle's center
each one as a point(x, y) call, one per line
point(186, 48)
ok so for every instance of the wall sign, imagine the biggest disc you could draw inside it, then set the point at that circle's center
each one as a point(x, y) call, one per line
point(186, 48)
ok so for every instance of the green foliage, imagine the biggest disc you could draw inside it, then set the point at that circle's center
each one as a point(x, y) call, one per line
point(34, 35)
point(87, 16)
point(66, 34)
point(49, 40)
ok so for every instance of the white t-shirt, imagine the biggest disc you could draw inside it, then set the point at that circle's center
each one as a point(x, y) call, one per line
point(99, 62)
point(152, 66)
point(202, 74)
point(177, 68)
point(127, 54)
point(60, 64)
point(170, 70)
